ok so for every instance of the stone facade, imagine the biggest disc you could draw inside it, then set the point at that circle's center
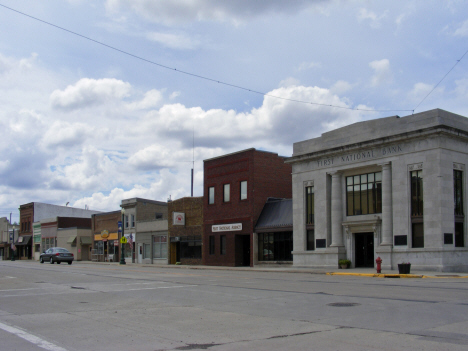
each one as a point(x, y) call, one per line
point(429, 148)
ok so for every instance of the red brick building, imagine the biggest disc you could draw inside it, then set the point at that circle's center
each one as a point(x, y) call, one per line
point(236, 187)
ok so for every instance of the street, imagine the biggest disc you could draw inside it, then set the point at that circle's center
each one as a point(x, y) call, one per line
point(89, 306)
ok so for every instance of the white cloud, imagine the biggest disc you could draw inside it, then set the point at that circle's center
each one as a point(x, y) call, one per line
point(151, 100)
point(308, 65)
point(382, 72)
point(89, 92)
point(341, 87)
point(174, 41)
point(172, 11)
point(462, 31)
point(67, 135)
point(372, 17)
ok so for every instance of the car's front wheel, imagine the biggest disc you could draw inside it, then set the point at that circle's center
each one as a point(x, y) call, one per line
point(51, 260)
point(41, 260)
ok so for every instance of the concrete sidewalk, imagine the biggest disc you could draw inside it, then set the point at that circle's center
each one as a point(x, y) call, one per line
point(363, 272)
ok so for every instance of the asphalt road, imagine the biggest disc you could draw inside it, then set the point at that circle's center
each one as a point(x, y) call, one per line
point(112, 307)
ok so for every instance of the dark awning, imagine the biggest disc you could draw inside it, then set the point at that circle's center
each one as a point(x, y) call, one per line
point(23, 240)
point(276, 215)
point(71, 239)
point(86, 240)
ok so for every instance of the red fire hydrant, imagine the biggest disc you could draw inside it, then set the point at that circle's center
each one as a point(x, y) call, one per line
point(379, 264)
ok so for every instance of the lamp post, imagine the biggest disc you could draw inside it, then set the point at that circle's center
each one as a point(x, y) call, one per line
point(122, 240)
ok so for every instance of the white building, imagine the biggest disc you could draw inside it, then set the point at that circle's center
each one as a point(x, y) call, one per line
point(393, 188)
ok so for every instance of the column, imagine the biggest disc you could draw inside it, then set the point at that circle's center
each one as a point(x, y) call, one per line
point(336, 210)
point(387, 212)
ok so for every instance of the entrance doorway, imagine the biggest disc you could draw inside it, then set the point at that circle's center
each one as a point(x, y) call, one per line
point(364, 248)
point(243, 250)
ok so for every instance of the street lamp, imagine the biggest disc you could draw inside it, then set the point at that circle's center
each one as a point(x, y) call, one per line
point(122, 239)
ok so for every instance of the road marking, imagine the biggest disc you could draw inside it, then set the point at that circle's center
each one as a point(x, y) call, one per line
point(31, 338)
point(159, 287)
point(20, 289)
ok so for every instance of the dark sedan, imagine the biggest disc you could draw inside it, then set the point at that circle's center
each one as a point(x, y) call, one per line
point(56, 254)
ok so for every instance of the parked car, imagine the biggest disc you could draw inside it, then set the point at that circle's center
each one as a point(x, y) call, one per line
point(56, 254)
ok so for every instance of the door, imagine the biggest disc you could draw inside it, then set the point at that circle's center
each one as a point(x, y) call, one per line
point(364, 248)
point(140, 253)
point(242, 243)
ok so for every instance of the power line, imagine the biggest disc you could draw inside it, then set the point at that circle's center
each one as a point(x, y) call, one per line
point(197, 75)
point(440, 81)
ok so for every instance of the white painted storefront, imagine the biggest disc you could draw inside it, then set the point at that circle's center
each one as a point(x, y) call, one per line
point(383, 188)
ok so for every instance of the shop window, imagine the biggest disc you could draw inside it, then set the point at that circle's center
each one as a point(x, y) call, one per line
point(160, 246)
point(190, 247)
point(275, 246)
point(211, 195)
point(458, 208)
point(222, 247)
point(146, 251)
point(243, 190)
point(212, 244)
point(364, 194)
point(417, 205)
point(227, 193)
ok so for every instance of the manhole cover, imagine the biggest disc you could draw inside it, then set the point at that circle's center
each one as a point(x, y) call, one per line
point(343, 304)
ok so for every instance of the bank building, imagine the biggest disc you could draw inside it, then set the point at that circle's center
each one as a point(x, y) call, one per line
point(393, 188)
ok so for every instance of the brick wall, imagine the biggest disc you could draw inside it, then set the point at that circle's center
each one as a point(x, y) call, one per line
point(107, 221)
point(193, 209)
point(267, 176)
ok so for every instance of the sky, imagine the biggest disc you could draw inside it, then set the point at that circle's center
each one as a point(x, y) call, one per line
point(104, 100)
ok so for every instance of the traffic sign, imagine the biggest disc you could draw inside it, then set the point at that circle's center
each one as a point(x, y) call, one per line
point(123, 240)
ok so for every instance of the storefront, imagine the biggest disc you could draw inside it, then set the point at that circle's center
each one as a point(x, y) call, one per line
point(106, 247)
point(393, 188)
point(273, 238)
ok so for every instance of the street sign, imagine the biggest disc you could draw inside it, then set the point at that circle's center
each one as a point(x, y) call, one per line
point(123, 240)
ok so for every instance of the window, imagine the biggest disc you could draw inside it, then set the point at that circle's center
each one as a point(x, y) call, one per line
point(275, 246)
point(310, 205)
point(417, 223)
point(211, 195)
point(133, 220)
point(458, 207)
point(311, 240)
point(222, 247)
point(364, 194)
point(243, 190)
point(146, 251)
point(126, 221)
point(159, 215)
point(212, 244)
point(227, 193)
point(190, 247)
point(160, 246)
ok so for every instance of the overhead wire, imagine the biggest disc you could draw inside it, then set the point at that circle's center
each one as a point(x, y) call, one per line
point(440, 81)
point(198, 75)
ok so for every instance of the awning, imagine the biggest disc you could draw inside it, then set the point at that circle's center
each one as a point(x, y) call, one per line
point(71, 239)
point(86, 240)
point(23, 240)
point(276, 215)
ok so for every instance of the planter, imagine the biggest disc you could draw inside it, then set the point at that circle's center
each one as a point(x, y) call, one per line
point(404, 268)
point(344, 266)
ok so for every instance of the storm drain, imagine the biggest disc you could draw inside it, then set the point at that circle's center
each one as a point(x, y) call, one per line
point(343, 304)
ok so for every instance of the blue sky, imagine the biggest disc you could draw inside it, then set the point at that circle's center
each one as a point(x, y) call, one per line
point(86, 124)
